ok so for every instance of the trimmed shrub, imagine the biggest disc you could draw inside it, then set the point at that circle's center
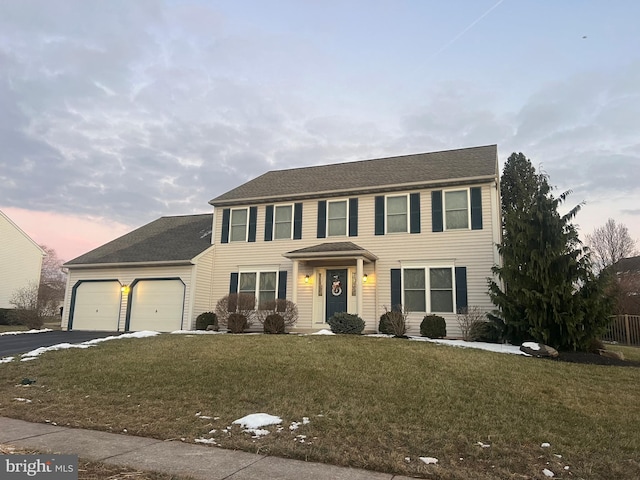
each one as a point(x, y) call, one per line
point(274, 324)
point(237, 323)
point(394, 322)
point(384, 325)
point(205, 319)
point(29, 318)
point(433, 326)
point(346, 323)
point(240, 303)
point(285, 308)
point(5, 316)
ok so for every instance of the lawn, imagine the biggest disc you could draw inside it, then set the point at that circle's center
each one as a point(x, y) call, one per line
point(375, 403)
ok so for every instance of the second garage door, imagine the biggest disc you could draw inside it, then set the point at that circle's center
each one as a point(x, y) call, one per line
point(157, 305)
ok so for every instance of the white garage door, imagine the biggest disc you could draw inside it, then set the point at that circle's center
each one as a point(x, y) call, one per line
point(157, 305)
point(97, 306)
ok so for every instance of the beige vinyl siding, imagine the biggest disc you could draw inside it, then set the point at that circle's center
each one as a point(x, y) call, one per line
point(126, 275)
point(202, 299)
point(473, 249)
point(20, 260)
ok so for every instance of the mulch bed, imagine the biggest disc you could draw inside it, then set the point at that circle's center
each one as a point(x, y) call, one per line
point(594, 359)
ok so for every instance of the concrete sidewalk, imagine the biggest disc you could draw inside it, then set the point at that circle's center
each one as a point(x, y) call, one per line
point(173, 457)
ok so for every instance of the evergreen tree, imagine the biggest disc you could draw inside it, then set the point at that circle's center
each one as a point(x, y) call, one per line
point(548, 293)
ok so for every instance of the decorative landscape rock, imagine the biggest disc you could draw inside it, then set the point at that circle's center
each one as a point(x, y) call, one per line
point(539, 350)
point(610, 354)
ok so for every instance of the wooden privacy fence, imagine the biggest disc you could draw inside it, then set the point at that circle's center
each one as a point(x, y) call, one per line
point(624, 329)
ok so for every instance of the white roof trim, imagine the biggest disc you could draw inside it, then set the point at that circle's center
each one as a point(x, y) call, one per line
point(11, 222)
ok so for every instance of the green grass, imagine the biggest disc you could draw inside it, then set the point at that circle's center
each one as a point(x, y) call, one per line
point(371, 402)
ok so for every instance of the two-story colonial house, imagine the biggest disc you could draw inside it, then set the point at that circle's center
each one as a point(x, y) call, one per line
point(416, 230)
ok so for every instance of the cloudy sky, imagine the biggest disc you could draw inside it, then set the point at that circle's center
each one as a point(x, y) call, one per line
point(113, 113)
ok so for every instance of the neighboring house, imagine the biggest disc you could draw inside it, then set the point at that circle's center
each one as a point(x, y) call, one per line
point(415, 230)
point(20, 260)
point(157, 277)
point(627, 272)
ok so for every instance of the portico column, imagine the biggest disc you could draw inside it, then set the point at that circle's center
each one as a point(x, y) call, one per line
point(294, 292)
point(359, 275)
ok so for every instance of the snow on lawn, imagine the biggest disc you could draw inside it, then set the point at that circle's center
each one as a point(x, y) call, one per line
point(490, 347)
point(531, 345)
point(6, 359)
point(19, 332)
point(89, 343)
point(257, 420)
point(324, 331)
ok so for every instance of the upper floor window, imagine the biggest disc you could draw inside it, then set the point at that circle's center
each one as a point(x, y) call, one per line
point(337, 218)
point(238, 225)
point(283, 221)
point(456, 207)
point(397, 214)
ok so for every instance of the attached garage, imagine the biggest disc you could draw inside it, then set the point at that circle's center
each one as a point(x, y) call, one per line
point(157, 305)
point(95, 305)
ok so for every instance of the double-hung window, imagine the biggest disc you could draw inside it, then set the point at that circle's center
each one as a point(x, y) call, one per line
point(337, 215)
point(428, 289)
point(397, 214)
point(283, 221)
point(456, 207)
point(260, 285)
point(238, 227)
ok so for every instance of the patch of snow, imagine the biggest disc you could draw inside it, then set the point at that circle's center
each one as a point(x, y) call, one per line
point(484, 445)
point(257, 420)
point(294, 426)
point(305, 420)
point(20, 399)
point(211, 432)
point(548, 473)
point(89, 343)
point(489, 347)
point(545, 445)
point(557, 456)
point(257, 432)
point(324, 331)
point(531, 345)
point(196, 332)
point(407, 459)
point(20, 332)
point(6, 359)
point(567, 467)
point(429, 460)
point(209, 441)
point(27, 359)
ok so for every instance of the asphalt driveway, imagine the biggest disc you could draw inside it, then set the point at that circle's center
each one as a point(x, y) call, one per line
point(25, 342)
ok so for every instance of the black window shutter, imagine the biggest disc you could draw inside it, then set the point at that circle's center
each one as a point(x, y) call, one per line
point(268, 223)
point(233, 289)
point(476, 208)
point(282, 284)
point(322, 219)
point(353, 217)
point(226, 218)
point(461, 289)
point(414, 207)
point(297, 222)
point(379, 215)
point(436, 211)
point(396, 289)
point(253, 221)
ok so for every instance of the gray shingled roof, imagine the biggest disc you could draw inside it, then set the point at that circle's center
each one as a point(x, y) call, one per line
point(383, 174)
point(630, 264)
point(167, 239)
point(330, 249)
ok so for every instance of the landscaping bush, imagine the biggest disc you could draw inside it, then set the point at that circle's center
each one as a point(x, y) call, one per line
point(394, 322)
point(485, 331)
point(466, 317)
point(274, 324)
point(346, 323)
point(433, 326)
point(285, 308)
point(237, 323)
point(5, 316)
point(29, 318)
point(241, 303)
point(205, 319)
